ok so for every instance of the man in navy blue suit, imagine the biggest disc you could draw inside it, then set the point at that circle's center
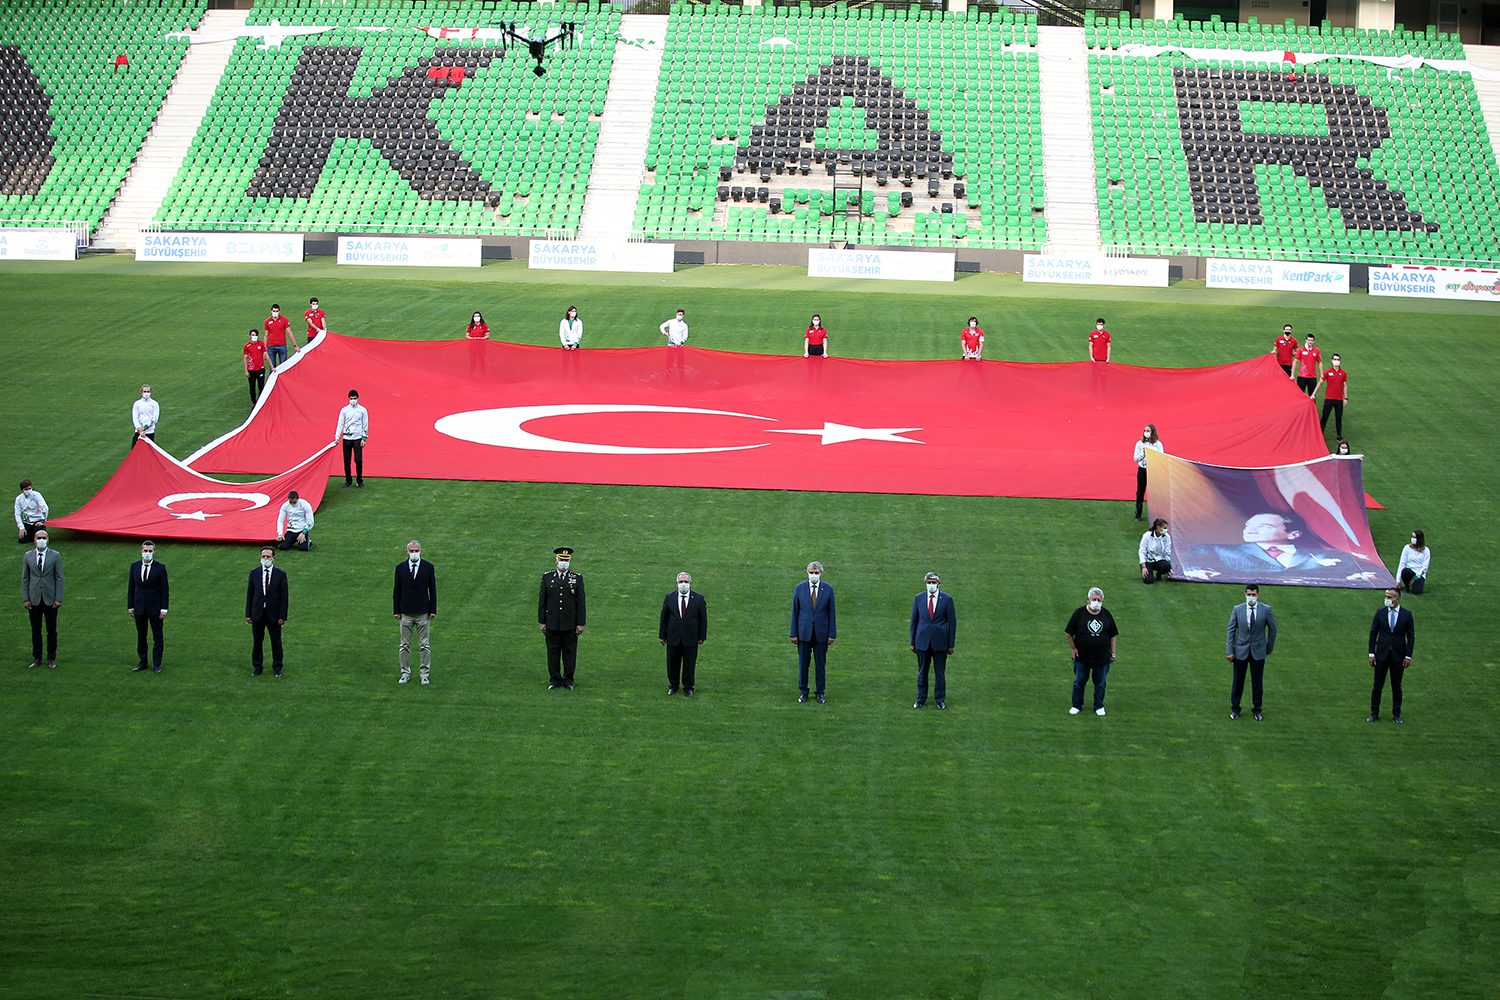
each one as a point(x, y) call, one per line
point(266, 603)
point(934, 631)
point(146, 602)
point(1393, 636)
point(814, 627)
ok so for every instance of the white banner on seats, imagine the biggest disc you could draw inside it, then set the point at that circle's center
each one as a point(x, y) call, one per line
point(409, 251)
point(38, 244)
point(1095, 269)
point(1471, 284)
point(1278, 275)
point(898, 265)
point(252, 248)
point(601, 255)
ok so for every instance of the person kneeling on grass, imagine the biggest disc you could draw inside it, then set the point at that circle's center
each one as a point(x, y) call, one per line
point(1156, 553)
point(294, 523)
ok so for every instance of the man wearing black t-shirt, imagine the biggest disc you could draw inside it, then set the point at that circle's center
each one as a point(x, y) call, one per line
point(1091, 636)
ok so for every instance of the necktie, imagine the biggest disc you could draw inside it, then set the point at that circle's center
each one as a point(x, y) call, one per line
point(931, 605)
point(414, 571)
point(38, 558)
point(1252, 616)
point(815, 595)
point(144, 568)
point(684, 607)
point(1274, 551)
point(1393, 620)
point(265, 583)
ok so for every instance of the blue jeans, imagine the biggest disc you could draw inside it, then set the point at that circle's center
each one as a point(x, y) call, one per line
point(1081, 673)
point(277, 355)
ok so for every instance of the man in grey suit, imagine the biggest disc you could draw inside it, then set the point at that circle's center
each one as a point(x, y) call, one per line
point(42, 595)
point(1251, 638)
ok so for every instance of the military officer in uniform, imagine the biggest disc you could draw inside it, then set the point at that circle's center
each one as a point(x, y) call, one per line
point(560, 615)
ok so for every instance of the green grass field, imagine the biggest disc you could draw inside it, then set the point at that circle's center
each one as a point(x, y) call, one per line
point(201, 835)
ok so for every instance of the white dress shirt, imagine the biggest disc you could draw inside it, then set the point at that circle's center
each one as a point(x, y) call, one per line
point(1412, 559)
point(354, 423)
point(1140, 451)
point(294, 517)
point(29, 509)
point(676, 331)
point(144, 413)
point(570, 332)
point(1154, 549)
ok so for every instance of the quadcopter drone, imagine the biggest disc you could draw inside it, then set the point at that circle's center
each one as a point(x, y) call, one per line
point(565, 32)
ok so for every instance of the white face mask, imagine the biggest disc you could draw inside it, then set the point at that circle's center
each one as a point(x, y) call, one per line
point(41, 543)
point(145, 395)
point(476, 319)
point(147, 556)
point(26, 492)
point(932, 588)
point(266, 563)
point(814, 577)
point(254, 337)
point(683, 588)
point(1098, 326)
point(562, 565)
point(1390, 603)
point(414, 556)
point(1252, 599)
point(1337, 363)
point(1095, 605)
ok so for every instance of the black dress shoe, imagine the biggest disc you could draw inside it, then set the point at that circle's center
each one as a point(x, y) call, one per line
point(156, 670)
point(347, 485)
point(1399, 721)
point(553, 686)
point(918, 704)
point(941, 705)
point(671, 691)
point(136, 670)
point(1234, 713)
point(255, 673)
point(821, 700)
point(276, 674)
point(1257, 716)
point(1372, 717)
point(801, 699)
point(35, 663)
point(51, 664)
point(688, 693)
point(568, 685)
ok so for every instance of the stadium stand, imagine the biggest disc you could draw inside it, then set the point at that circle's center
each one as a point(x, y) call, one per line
point(810, 124)
point(80, 83)
point(399, 131)
point(1340, 160)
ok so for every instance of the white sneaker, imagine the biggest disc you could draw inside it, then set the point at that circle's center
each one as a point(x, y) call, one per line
point(1098, 711)
point(1072, 711)
point(402, 679)
point(424, 680)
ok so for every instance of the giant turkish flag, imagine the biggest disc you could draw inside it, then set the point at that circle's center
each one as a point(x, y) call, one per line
point(152, 495)
point(666, 416)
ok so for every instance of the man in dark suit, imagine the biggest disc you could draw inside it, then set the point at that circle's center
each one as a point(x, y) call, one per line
point(684, 627)
point(934, 631)
point(1250, 639)
point(561, 613)
point(266, 610)
point(42, 595)
point(1393, 636)
point(146, 602)
point(414, 603)
point(1269, 545)
point(814, 628)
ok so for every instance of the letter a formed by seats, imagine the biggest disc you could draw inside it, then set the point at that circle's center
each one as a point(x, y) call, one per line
point(1222, 154)
point(317, 108)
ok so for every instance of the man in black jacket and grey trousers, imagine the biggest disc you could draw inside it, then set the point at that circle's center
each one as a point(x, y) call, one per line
point(414, 602)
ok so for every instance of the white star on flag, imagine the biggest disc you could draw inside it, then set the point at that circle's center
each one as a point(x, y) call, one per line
point(833, 433)
point(196, 515)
